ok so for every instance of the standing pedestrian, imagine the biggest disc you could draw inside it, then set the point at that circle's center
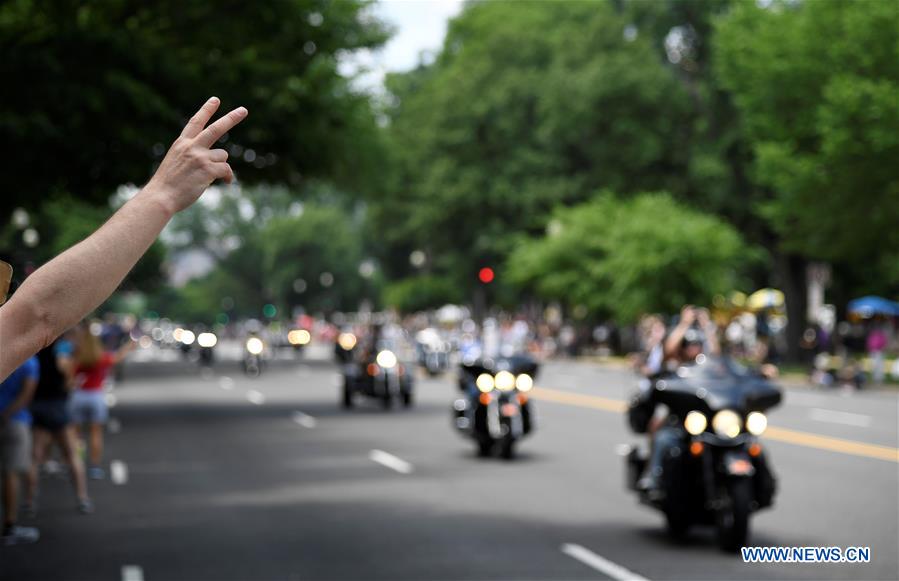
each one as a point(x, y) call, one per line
point(876, 345)
point(89, 402)
point(15, 447)
point(51, 421)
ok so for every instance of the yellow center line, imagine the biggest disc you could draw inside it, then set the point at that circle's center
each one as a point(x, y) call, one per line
point(795, 437)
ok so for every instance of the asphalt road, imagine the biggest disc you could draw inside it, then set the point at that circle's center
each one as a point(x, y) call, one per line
point(220, 476)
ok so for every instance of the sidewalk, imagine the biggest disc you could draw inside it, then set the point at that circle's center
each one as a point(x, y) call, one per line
point(790, 380)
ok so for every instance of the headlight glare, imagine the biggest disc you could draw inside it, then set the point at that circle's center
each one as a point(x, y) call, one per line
point(255, 345)
point(727, 423)
point(756, 423)
point(695, 423)
point(346, 341)
point(504, 381)
point(524, 382)
point(386, 359)
point(299, 337)
point(485, 382)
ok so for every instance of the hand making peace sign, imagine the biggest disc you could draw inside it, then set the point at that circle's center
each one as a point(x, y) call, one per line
point(190, 166)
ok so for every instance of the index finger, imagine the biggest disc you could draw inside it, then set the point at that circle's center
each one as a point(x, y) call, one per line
point(201, 118)
point(215, 131)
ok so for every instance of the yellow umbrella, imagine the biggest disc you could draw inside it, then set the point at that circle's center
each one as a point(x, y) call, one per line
point(766, 298)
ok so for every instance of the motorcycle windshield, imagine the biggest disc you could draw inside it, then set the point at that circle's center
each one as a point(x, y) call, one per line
point(713, 384)
point(515, 364)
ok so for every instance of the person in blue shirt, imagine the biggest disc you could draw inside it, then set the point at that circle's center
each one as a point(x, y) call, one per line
point(15, 446)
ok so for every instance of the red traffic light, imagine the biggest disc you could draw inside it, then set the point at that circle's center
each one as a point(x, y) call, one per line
point(486, 275)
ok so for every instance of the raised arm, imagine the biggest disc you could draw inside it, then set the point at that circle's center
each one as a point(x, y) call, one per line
point(710, 331)
point(672, 343)
point(63, 291)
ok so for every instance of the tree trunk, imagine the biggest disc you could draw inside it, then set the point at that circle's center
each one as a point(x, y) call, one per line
point(791, 272)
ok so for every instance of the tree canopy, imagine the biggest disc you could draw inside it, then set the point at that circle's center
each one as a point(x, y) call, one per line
point(626, 257)
point(97, 91)
point(816, 87)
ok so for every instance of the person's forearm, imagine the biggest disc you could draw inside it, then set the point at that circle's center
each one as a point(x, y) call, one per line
point(63, 291)
point(77, 281)
point(711, 338)
point(672, 344)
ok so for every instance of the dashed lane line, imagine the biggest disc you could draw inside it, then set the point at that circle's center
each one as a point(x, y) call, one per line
point(390, 461)
point(600, 563)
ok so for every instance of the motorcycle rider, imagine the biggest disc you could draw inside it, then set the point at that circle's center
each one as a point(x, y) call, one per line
point(693, 336)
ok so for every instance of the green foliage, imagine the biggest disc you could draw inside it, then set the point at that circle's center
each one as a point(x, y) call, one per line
point(97, 91)
point(422, 292)
point(262, 241)
point(625, 257)
point(816, 85)
point(319, 242)
point(528, 106)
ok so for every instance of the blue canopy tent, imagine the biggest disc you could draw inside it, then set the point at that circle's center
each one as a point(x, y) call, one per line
point(870, 306)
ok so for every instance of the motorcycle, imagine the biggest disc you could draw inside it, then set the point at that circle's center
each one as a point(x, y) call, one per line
point(434, 358)
point(344, 348)
point(718, 473)
point(252, 359)
point(206, 342)
point(381, 377)
point(496, 411)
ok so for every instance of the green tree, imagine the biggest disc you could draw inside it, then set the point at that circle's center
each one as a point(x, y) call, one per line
point(321, 250)
point(815, 84)
point(95, 92)
point(528, 105)
point(627, 257)
point(268, 247)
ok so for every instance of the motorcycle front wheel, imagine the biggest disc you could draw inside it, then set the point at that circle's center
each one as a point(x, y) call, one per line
point(733, 518)
point(347, 399)
point(507, 448)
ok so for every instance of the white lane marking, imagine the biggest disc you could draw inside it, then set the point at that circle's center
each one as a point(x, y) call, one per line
point(226, 383)
point(304, 420)
point(837, 417)
point(256, 397)
point(391, 461)
point(132, 573)
point(118, 471)
point(601, 564)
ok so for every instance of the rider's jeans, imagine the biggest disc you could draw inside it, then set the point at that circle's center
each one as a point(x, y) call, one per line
point(665, 438)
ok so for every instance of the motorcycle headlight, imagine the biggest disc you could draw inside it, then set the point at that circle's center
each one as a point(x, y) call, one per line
point(386, 359)
point(504, 381)
point(484, 382)
point(255, 345)
point(726, 423)
point(346, 341)
point(756, 423)
point(524, 382)
point(207, 340)
point(695, 423)
point(299, 337)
